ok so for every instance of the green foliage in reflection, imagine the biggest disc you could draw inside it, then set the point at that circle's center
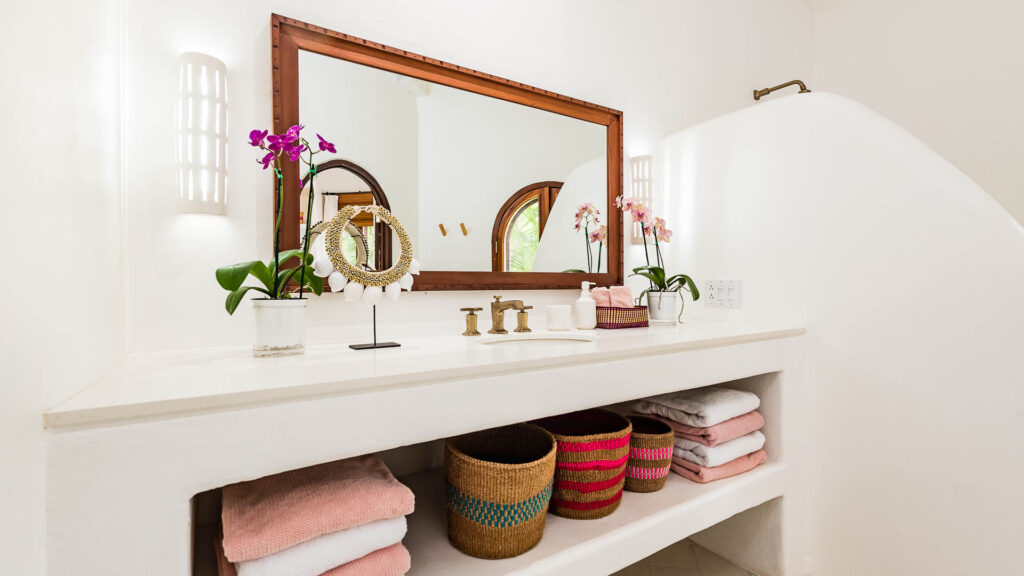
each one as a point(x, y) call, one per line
point(523, 239)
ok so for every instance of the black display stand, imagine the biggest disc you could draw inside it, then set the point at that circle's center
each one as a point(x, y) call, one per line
point(375, 344)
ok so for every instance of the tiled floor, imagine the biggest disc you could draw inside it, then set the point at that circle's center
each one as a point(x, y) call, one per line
point(684, 559)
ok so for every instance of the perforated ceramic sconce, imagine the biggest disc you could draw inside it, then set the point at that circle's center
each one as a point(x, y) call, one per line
point(202, 134)
point(642, 172)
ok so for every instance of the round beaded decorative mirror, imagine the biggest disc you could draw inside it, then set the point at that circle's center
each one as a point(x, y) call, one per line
point(352, 277)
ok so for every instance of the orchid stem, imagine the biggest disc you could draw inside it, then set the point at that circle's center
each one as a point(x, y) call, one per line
point(277, 231)
point(309, 220)
point(647, 257)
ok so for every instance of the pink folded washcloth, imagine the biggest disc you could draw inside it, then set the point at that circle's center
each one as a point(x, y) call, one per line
point(621, 296)
point(601, 296)
point(267, 515)
point(391, 561)
point(702, 474)
point(719, 433)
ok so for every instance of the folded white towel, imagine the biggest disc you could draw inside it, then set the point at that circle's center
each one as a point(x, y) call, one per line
point(700, 407)
point(323, 553)
point(711, 456)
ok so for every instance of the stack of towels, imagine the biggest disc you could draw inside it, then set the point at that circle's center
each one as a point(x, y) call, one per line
point(344, 518)
point(717, 431)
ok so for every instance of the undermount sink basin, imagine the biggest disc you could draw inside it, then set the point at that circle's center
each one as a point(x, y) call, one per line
point(537, 339)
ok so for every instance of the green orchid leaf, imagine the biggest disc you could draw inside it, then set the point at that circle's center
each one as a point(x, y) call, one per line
point(231, 277)
point(314, 282)
point(285, 256)
point(683, 281)
point(658, 283)
point(260, 271)
point(655, 274)
point(283, 277)
point(235, 297)
point(574, 271)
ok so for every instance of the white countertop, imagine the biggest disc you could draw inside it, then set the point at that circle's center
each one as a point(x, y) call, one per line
point(174, 383)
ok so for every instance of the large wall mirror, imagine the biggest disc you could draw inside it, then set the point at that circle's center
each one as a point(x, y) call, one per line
point(484, 173)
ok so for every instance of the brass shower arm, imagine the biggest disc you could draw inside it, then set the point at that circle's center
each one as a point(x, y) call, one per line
point(759, 93)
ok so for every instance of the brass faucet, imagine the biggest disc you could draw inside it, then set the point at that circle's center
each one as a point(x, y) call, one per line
point(498, 314)
point(758, 94)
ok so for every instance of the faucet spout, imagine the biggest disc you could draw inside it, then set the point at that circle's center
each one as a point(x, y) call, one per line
point(758, 94)
point(498, 313)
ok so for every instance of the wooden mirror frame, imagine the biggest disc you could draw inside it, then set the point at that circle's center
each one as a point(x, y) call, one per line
point(288, 36)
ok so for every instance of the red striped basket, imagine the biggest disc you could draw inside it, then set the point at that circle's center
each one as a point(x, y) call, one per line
point(610, 317)
point(590, 468)
point(650, 454)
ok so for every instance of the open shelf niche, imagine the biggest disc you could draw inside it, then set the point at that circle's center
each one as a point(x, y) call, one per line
point(643, 524)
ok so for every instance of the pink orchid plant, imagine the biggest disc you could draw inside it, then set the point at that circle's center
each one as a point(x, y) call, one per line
point(586, 216)
point(290, 146)
point(657, 229)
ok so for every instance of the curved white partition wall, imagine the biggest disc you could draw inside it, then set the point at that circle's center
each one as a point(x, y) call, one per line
point(909, 278)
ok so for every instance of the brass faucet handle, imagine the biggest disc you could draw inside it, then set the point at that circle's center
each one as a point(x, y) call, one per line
point(522, 318)
point(497, 298)
point(471, 319)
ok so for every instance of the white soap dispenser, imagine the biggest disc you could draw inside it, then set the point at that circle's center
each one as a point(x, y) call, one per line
point(586, 308)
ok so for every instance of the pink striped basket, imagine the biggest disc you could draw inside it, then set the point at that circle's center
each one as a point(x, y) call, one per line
point(650, 454)
point(590, 467)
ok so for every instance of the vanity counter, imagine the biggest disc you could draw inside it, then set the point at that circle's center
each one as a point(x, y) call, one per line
point(127, 455)
point(194, 381)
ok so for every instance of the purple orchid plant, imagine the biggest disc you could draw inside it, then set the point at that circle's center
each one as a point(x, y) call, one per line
point(291, 147)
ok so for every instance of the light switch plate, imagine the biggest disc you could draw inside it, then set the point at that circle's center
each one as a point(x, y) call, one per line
point(724, 293)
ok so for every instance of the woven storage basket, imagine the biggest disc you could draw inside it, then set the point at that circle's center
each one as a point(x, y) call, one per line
point(610, 317)
point(497, 488)
point(650, 454)
point(593, 447)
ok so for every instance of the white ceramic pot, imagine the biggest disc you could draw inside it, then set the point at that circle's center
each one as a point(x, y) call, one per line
point(280, 327)
point(661, 307)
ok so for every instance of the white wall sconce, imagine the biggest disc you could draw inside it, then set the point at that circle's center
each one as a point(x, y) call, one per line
point(202, 134)
point(642, 171)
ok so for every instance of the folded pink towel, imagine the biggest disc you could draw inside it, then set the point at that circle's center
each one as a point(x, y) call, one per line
point(391, 561)
point(265, 516)
point(601, 296)
point(702, 474)
point(719, 433)
point(621, 296)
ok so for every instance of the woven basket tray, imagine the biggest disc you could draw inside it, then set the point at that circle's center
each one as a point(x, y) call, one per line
point(593, 448)
point(497, 488)
point(650, 454)
point(609, 317)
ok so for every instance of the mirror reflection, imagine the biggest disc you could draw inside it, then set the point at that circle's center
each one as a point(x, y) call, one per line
point(504, 181)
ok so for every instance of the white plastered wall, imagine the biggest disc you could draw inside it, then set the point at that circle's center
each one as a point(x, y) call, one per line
point(949, 72)
point(908, 277)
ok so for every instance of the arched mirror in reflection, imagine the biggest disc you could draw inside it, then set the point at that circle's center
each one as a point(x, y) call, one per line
point(341, 183)
point(519, 225)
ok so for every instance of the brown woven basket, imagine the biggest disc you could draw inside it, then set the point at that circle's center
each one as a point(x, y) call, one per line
point(497, 487)
point(650, 454)
point(593, 446)
point(609, 317)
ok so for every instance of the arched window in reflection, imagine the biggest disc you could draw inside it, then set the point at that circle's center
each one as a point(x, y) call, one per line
point(342, 183)
point(519, 226)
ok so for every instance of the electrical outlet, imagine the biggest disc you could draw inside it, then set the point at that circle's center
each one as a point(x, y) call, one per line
point(724, 293)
